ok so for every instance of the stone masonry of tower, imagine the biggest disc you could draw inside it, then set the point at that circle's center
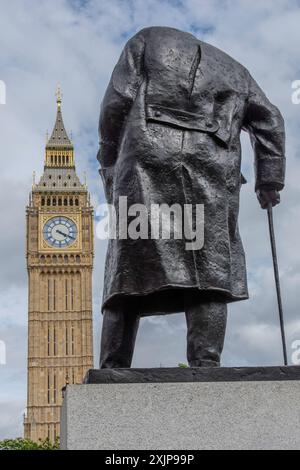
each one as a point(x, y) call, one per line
point(59, 264)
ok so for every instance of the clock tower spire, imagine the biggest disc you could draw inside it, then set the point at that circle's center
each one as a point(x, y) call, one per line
point(59, 148)
point(59, 263)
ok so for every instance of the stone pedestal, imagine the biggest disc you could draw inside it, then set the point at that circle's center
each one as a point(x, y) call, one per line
point(174, 408)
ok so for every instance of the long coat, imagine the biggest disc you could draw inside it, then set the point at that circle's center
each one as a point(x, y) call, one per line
point(170, 127)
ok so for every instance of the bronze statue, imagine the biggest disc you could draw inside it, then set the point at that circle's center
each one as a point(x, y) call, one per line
point(170, 128)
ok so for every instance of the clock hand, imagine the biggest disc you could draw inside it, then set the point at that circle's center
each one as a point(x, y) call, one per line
point(64, 234)
point(61, 233)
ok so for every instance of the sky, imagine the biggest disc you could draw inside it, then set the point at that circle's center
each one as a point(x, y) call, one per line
point(76, 43)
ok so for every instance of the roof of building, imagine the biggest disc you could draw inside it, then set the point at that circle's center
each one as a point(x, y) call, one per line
point(59, 136)
point(59, 173)
point(59, 179)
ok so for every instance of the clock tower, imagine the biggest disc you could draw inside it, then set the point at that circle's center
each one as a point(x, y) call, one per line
point(59, 255)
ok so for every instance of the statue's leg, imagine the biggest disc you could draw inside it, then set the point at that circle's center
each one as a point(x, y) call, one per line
point(206, 325)
point(119, 331)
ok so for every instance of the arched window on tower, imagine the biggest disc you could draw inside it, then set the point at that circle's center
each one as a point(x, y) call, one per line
point(66, 294)
point(72, 293)
point(48, 389)
point(49, 295)
point(67, 341)
point(65, 201)
point(72, 340)
point(54, 341)
point(54, 387)
point(48, 341)
point(54, 294)
point(76, 202)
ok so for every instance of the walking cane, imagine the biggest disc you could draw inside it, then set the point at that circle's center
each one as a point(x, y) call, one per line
point(276, 276)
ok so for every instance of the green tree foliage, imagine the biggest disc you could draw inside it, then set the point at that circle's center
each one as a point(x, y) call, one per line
point(27, 444)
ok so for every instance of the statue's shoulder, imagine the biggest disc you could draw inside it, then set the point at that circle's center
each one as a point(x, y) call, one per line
point(223, 58)
point(172, 36)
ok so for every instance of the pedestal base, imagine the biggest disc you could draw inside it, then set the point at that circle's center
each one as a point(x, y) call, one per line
point(224, 408)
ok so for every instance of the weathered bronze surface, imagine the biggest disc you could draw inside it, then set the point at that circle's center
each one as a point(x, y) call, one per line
point(170, 129)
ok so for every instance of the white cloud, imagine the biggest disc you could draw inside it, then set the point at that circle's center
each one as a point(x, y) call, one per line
point(77, 44)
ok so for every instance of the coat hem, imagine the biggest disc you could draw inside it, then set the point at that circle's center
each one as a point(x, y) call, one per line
point(169, 298)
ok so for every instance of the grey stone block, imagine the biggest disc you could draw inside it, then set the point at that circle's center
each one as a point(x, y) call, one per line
point(260, 414)
point(192, 374)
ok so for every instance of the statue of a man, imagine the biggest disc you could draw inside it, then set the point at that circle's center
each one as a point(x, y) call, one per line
point(170, 128)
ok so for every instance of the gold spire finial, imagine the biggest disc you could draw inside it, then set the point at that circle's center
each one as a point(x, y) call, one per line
point(58, 96)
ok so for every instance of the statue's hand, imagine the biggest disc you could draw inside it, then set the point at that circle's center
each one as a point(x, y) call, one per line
point(265, 196)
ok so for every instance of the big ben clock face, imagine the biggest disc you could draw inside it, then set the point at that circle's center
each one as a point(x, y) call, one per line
point(60, 232)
